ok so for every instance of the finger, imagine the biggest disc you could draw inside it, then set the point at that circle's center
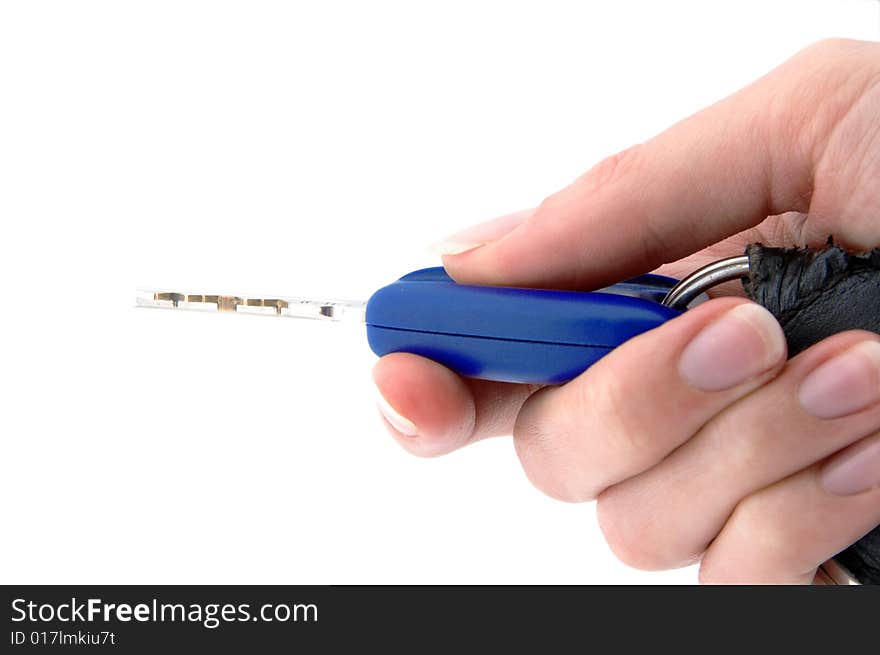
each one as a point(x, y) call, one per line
point(715, 174)
point(431, 411)
point(782, 533)
point(641, 401)
point(825, 399)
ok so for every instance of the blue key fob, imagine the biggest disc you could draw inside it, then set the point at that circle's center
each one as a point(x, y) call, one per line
point(510, 334)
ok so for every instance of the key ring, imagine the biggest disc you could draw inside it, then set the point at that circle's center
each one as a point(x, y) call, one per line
point(711, 275)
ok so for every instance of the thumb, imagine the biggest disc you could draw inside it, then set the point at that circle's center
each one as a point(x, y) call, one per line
point(719, 172)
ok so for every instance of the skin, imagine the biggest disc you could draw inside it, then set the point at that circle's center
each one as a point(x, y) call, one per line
point(685, 476)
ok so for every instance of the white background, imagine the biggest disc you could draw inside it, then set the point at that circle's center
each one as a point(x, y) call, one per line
point(297, 148)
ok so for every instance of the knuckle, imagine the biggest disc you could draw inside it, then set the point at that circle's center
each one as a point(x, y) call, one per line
point(831, 56)
point(612, 169)
point(550, 205)
point(828, 47)
point(608, 172)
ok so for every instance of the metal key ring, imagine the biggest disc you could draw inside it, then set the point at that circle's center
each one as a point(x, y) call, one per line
point(690, 287)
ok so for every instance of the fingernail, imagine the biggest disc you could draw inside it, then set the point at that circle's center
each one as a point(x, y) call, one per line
point(845, 384)
point(855, 470)
point(741, 344)
point(480, 235)
point(397, 420)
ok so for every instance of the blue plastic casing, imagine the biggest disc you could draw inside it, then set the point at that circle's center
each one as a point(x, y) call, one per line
point(510, 334)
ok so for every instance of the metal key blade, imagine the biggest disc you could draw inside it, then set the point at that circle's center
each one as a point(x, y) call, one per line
point(350, 311)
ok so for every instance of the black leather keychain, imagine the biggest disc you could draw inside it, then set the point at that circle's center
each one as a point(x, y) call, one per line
point(813, 294)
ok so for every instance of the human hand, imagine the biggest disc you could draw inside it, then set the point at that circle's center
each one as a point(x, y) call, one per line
point(757, 467)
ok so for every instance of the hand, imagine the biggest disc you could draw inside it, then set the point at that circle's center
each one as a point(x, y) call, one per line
point(698, 439)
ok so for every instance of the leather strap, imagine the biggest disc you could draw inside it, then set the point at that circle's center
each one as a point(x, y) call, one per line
point(814, 294)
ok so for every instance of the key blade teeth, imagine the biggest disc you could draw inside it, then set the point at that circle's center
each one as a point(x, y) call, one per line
point(326, 310)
